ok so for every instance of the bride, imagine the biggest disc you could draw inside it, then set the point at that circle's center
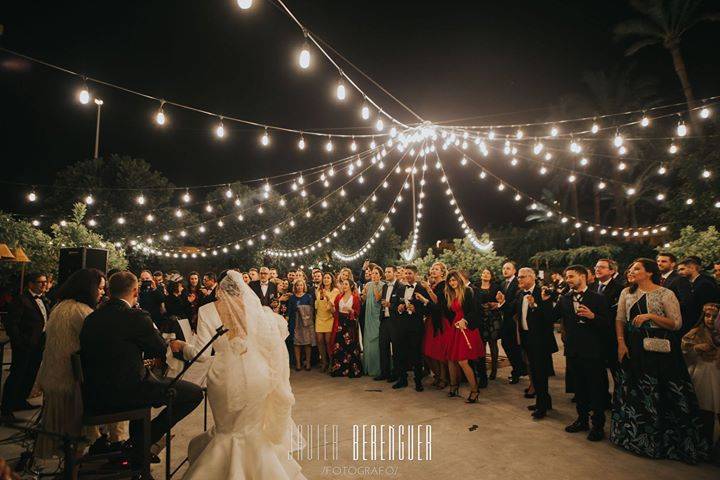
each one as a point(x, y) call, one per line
point(249, 390)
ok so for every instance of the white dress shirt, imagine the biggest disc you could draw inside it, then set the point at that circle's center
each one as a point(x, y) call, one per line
point(525, 308)
point(388, 294)
point(264, 288)
point(41, 306)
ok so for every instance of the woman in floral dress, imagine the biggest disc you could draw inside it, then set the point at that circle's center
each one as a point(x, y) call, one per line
point(345, 360)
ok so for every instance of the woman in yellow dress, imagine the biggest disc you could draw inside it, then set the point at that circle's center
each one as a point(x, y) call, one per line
point(324, 300)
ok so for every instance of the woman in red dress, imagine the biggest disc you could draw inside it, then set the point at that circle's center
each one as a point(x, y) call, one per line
point(463, 339)
point(436, 327)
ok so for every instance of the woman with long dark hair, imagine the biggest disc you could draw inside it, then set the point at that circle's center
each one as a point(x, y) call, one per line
point(655, 411)
point(62, 399)
point(491, 319)
point(463, 339)
point(434, 345)
point(324, 302)
point(345, 344)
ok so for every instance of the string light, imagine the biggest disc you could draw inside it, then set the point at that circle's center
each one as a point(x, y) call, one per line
point(329, 145)
point(140, 200)
point(160, 115)
point(365, 112)
point(245, 4)
point(84, 95)
point(353, 145)
point(682, 129)
point(379, 125)
point(220, 130)
point(89, 200)
point(301, 143)
point(186, 197)
point(340, 92)
point(645, 121)
point(673, 148)
point(32, 196)
point(304, 57)
point(705, 112)
point(265, 139)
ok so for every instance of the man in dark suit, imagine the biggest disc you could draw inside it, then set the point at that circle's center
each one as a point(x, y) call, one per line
point(703, 289)
point(113, 341)
point(586, 319)
point(208, 289)
point(25, 325)
point(264, 288)
point(388, 330)
point(672, 280)
point(508, 335)
point(534, 319)
point(609, 284)
point(411, 304)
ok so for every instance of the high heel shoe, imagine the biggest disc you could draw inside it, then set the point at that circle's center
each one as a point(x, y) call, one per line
point(441, 385)
point(473, 397)
point(453, 391)
point(493, 374)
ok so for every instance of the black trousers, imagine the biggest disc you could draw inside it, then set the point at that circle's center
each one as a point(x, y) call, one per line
point(508, 339)
point(385, 341)
point(409, 334)
point(590, 381)
point(539, 359)
point(23, 370)
point(153, 393)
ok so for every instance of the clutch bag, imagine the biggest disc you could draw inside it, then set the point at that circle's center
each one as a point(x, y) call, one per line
point(659, 345)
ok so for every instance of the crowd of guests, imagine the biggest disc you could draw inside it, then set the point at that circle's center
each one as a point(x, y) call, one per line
point(653, 329)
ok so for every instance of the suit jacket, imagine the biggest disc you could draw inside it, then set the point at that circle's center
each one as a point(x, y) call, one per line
point(397, 287)
point(113, 340)
point(269, 296)
point(25, 323)
point(420, 308)
point(612, 293)
point(703, 290)
point(540, 321)
point(590, 338)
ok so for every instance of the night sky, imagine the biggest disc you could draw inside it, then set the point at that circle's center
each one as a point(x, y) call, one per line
point(497, 61)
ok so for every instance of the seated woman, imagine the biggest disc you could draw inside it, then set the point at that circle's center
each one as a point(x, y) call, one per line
point(701, 347)
point(62, 400)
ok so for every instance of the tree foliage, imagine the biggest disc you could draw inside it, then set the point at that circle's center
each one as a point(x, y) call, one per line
point(463, 256)
point(74, 233)
point(37, 245)
point(702, 243)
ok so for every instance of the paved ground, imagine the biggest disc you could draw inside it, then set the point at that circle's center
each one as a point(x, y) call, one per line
point(506, 444)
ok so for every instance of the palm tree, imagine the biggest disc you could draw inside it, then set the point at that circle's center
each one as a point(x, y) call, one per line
point(664, 22)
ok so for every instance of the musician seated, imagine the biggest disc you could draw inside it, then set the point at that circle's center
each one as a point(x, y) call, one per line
point(114, 342)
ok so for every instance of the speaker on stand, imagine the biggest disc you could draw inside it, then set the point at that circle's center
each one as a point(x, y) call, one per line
point(74, 259)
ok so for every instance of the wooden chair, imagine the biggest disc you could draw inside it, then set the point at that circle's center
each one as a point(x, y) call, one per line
point(93, 418)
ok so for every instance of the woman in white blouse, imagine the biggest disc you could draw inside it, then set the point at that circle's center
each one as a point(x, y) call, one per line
point(655, 410)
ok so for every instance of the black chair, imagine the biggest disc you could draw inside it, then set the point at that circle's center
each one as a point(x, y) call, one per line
point(93, 418)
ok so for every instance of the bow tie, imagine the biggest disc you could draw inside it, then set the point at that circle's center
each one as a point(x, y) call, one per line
point(37, 296)
point(527, 292)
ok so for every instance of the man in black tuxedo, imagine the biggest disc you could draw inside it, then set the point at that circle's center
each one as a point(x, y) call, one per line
point(609, 284)
point(25, 325)
point(703, 289)
point(672, 280)
point(208, 289)
point(264, 288)
point(388, 325)
point(586, 318)
point(411, 304)
point(535, 322)
point(508, 335)
point(113, 341)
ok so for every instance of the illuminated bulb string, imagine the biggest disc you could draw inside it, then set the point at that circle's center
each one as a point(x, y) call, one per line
point(462, 222)
point(250, 239)
point(578, 222)
point(409, 254)
point(311, 248)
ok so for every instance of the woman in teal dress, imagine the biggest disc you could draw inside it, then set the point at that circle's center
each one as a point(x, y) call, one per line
point(371, 295)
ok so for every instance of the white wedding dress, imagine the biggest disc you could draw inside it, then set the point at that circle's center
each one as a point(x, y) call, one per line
point(249, 393)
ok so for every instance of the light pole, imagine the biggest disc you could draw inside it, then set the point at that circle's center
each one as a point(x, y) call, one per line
point(99, 104)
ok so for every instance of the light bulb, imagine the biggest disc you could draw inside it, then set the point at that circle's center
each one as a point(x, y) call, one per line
point(265, 139)
point(689, 201)
point(662, 170)
point(595, 128)
point(31, 197)
point(660, 197)
point(160, 117)
point(140, 199)
point(92, 222)
point(622, 166)
point(149, 217)
point(682, 130)
point(645, 121)
point(89, 200)
point(602, 185)
point(379, 125)
point(618, 140)
point(583, 162)
point(631, 191)
point(84, 96)
point(178, 213)
point(572, 178)
point(365, 112)
point(121, 220)
point(673, 148)
point(186, 198)
point(220, 130)
point(304, 58)
point(353, 146)
point(705, 112)
point(537, 148)
point(554, 131)
point(301, 143)
point(208, 208)
point(373, 144)
point(245, 4)
point(329, 146)
point(706, 174)
point(519, 134)
point(36, 223)
point(340, 91)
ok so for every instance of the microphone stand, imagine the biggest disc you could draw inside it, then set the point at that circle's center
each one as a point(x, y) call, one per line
point(170, 393)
